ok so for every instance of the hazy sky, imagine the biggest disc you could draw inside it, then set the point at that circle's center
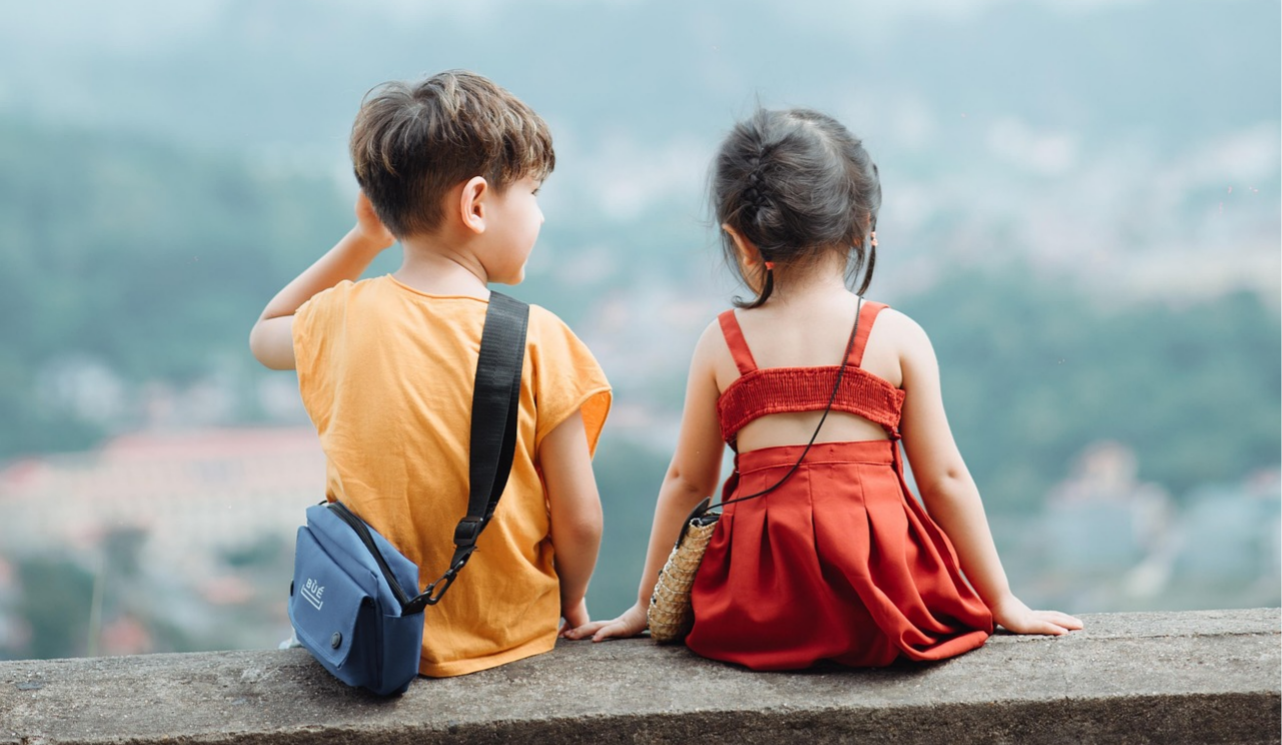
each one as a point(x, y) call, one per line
point(1143, 135)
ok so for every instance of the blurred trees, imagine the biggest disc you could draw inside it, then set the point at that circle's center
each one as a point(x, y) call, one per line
point(1033, 372)
point(57, 616)
point(132, 255)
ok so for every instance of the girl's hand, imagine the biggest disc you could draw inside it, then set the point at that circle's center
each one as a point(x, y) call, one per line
point(369, 226)
point(573, 618)
point(631, 623)
point(1017, 618)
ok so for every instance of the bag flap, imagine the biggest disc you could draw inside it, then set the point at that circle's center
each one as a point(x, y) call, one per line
point(336, 537)
point(325, 601)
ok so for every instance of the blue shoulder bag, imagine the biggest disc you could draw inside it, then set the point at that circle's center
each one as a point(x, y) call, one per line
point(348, 602)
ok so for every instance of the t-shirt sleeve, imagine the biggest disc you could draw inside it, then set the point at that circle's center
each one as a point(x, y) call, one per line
point(318, 330)
point(567, 378)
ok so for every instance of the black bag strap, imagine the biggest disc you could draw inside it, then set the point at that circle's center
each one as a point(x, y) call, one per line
point(496, 401)
point(702, 513)
point(841, 373)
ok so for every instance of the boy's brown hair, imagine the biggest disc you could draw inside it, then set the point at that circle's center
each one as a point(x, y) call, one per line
point(411, 143)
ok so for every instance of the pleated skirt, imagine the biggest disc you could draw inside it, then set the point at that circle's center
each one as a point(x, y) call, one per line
point(839, 564)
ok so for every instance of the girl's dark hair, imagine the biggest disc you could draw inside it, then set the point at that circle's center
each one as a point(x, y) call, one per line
point(796, 183)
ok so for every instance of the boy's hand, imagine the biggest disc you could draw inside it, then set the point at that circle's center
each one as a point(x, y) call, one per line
point(369, 226)
point(573, 617)
point(632, 622)
point(1018, 618)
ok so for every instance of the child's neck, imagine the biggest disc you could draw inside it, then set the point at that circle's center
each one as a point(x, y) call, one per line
point(803, 289)
point(826, 278)
point(436, 268)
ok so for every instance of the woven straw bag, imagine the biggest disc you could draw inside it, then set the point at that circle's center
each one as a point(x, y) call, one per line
point(670, 615)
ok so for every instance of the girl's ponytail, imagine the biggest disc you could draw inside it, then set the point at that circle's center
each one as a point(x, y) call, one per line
point(756, 201)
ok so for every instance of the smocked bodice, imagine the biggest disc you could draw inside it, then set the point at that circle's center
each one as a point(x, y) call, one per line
point(776, 390)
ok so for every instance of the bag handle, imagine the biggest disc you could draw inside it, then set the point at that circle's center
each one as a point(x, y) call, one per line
point(496, 401)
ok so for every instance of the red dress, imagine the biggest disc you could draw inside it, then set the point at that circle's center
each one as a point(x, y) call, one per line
point(840, 563)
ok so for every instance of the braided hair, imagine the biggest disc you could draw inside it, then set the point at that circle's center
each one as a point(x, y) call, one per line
point(796, 183)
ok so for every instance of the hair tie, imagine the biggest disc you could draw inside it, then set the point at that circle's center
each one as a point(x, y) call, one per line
point(770, 265)
point(872, 238)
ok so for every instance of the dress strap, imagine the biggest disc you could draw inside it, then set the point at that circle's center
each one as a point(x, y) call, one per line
point(734, 339)
point(867, 315)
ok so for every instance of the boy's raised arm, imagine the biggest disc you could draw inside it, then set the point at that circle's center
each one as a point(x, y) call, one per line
point(271, 340)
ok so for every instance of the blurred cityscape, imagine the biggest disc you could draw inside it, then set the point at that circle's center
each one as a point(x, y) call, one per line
point(176, 542)
point(1082, 206)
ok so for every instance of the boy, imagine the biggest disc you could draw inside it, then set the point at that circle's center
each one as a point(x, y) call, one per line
point(449, 167)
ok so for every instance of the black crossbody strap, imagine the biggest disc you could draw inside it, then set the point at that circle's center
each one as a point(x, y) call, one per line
point(841, 373)
point(496, 401)
point(702, 513)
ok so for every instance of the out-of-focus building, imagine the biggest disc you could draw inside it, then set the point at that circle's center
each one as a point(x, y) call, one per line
point(184, 534)
point(190, 495)
point(1231, 534)
point(1103, 518)
point(1123, 543)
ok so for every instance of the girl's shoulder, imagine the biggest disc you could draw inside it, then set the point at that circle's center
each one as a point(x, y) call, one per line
point(900, 347)
point(893, 322)
point(896, 328)
point(714, 360)
point(891, 340)
point(712, 341)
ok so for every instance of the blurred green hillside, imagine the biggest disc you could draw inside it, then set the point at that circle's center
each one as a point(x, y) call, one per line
point(131, 255)
point(1034, 372)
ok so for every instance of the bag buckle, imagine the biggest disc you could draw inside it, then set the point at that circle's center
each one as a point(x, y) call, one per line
point(467, 531)
point(694, 518)
point(433, 592)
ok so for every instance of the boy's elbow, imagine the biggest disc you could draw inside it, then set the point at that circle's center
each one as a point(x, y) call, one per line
point(255, 344)
point(259, 349)
point(578, 531)
point(583, 527)
point(270, 347)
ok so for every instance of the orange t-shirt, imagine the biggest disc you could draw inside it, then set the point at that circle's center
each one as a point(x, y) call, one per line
point(386, 374)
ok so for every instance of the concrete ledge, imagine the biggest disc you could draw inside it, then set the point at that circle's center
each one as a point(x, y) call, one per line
point(1198, 677)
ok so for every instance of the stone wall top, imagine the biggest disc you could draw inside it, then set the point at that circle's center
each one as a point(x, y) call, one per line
point(1206, 676)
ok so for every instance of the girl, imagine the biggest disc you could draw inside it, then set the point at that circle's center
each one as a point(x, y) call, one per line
point(838, 562)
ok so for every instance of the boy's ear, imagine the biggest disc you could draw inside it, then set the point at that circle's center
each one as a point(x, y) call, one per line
point(472, 204)
point(748, 253)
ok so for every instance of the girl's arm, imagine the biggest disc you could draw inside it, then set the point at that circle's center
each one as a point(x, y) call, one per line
point(949, 492)
point(693, 475)
point(271, 340)
point(575, 514)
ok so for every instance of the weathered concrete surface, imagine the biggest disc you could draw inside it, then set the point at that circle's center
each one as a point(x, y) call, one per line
point(1201, 677)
